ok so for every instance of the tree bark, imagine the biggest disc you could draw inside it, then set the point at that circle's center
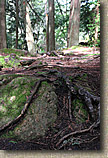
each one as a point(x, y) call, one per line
point(24, 21)
point(29, 34)
point(17, 15)
point(51, 26)
point(97, 25)
point(47, 28)
point(74, 21)
point(2, 25)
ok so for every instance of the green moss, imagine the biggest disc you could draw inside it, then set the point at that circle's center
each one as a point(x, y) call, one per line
point(82, 77)
point(9, 134)
point(78, 47)
point(45, 83)
point(90, 55)
point(40, 72)
point(9, 51)
point(40, 63)
point(13, 97)
point(70, 77)
point(74, 47)
point(41, 114)
point(79, 111)
point(8, 61)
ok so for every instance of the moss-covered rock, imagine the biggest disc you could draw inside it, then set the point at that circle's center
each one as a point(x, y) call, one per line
point(14, 91)
point(41, 113)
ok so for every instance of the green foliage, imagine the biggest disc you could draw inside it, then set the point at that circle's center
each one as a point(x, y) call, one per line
point(61, 24)
point(89, 21)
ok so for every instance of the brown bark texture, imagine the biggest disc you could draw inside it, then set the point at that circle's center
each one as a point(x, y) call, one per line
point(29, 33)
point(2, 25)
point(47, 27)
point(97, 24)
point(51, 25)
point(17, 23)
point(74, 21)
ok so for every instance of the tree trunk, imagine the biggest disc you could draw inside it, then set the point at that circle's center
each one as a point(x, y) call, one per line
point(97, 25)
point(47, 28)
point(29, 34)
point(24, 22)
point(2, 25)
point(51, 25)
point(17, 15)
point(74, 21)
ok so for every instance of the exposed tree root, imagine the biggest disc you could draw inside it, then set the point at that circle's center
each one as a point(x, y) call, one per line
point(75, 132)
point(73, 90)
point(53, 53)
point(35, 66)
point(27, 62)
point(70, 106)
point(86, 97)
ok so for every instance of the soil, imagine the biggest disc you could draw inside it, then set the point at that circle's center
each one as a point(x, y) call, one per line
point(76, 63)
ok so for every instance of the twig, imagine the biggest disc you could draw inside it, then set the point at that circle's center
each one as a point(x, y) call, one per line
point(89, 141)
point(39, 143)
point(75, 132)
point(63, 130)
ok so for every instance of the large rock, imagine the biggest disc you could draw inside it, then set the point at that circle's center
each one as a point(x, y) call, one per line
point(41, 114)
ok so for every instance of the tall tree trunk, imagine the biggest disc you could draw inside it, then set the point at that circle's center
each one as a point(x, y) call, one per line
point(47, 28)
point(74, 21)
point(24, 22)
point(51, 25)
point(97, 24)
point(2, 25)
point(29, 34)
point(17, 15)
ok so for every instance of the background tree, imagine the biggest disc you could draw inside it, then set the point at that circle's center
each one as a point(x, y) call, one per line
point(29, 33)
point(74, 22)
point(51, 25)
point(47, 27)
point(97, 22)
point(89, 23)
point(2, 25)
point(17, 17)
point(11, 17)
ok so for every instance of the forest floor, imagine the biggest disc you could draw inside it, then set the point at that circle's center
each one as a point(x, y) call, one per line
point(71, 63)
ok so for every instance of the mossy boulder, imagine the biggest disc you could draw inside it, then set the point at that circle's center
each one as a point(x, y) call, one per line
point(41, 114)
